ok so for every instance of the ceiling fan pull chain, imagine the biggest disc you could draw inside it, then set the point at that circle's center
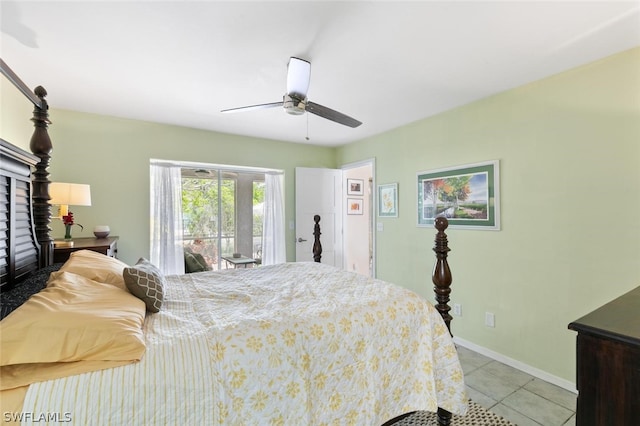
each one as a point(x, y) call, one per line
point(307, 138)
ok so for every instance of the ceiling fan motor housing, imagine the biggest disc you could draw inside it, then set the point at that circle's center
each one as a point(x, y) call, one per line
point(293, 105)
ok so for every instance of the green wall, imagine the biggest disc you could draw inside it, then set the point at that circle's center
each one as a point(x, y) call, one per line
point(569, 151)
point(112, 155)
point(15, 114)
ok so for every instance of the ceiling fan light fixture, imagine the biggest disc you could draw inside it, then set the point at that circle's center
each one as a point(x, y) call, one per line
point(298, 75)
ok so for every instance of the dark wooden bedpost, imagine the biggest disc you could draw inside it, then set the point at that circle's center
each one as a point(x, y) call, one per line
point(317, 247)
point(441, 278)
point(41, 147)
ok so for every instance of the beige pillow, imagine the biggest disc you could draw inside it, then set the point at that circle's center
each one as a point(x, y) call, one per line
point(145, 281)
point(96, 266)
point(74, 319)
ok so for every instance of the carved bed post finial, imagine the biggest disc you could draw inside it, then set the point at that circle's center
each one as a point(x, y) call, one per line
point(41, 146)
point(317, 247)
point(441, 276)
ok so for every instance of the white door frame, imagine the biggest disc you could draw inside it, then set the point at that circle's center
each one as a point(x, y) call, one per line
point(367, 162)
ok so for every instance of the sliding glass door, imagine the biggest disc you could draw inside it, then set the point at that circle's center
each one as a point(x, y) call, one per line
point(222, 214)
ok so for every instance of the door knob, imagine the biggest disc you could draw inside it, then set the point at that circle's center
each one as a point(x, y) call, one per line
point(301, 240)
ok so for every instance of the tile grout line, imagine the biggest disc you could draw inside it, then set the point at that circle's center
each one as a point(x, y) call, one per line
point(514, 408)
point(519, 388)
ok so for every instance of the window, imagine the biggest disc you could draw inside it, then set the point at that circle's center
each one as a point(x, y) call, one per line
point(215, 210)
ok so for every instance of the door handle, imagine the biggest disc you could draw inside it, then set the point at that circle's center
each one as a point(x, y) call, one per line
point(301, 240)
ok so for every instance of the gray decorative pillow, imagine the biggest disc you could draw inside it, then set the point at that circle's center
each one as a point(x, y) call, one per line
point(145, 281)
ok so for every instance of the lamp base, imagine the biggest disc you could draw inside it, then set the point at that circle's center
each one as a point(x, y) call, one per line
point(62, 243)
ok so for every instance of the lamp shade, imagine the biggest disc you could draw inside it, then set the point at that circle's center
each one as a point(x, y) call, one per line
point(70, 194)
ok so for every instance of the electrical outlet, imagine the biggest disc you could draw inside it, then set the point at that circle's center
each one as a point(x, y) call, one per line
point(457, 309)
point(489, 319)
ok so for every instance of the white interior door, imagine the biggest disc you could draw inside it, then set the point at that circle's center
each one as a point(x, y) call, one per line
point(319, 192)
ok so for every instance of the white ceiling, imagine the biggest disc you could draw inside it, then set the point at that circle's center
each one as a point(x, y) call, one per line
point(385, 63)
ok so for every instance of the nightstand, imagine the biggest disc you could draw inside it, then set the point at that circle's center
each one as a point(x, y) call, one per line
point(107, 246)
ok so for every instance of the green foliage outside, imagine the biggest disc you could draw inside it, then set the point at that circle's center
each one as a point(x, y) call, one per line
point(258, 214)
point(200, 207)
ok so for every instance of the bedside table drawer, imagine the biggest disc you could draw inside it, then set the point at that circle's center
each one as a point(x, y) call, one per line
point(107, 246)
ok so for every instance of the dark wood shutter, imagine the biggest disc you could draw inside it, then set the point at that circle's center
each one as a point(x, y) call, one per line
point(18, 245)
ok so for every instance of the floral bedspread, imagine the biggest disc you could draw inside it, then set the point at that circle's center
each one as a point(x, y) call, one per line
point(289, 344)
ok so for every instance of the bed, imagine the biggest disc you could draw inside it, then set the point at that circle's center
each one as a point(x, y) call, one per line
point(288, 344)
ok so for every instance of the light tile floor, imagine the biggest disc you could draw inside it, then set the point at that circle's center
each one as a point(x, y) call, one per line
point(517, 396)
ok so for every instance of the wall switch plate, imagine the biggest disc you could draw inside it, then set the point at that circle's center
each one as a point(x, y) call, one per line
point(457, 309)
point(380, 226)
point(489, 319)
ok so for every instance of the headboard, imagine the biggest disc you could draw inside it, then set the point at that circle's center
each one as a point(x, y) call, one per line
point(25, 241)
point(19, 250)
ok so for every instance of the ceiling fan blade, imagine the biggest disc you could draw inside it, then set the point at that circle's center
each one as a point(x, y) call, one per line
point(253, 107)
point(331, 114)
point(298, 75)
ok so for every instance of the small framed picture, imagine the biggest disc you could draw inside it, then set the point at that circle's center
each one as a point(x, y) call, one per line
point(355, 187)
point(388, 200)
point(354, 206)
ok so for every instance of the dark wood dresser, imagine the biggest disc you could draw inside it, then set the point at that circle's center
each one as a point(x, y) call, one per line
point(608, 363)
point(107, 246)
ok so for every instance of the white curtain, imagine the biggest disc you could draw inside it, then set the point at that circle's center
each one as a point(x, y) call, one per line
point(166, 218)
point(274, 248)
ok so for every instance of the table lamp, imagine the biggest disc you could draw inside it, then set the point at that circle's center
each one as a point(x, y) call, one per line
point(69, 194)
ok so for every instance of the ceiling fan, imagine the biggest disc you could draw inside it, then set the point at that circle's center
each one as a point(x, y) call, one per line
point(295, 100)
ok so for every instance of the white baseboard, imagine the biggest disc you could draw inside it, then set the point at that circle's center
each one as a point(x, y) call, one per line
point(540, 374)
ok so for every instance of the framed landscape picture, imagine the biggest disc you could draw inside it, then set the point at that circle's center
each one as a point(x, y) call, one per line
point(468, 196)
point(388, 200)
